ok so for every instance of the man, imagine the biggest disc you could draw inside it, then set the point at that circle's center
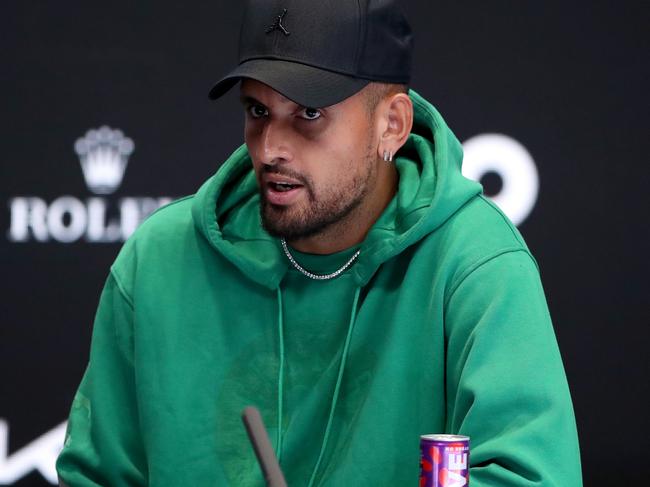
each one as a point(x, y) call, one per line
point(338, 273)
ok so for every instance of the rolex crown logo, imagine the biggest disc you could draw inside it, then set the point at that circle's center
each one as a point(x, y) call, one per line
point(104, 154)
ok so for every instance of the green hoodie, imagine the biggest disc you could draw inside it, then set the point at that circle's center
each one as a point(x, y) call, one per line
point(441, 325)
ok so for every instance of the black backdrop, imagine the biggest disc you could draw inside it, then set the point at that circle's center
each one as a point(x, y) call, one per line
point(567, 80)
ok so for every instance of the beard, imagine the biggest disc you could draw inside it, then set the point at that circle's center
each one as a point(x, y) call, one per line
point(329, 207)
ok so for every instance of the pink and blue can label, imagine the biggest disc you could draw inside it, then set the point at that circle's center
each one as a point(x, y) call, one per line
point(444, 461)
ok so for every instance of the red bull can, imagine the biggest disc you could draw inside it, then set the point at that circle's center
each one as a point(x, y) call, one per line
point(444, 461)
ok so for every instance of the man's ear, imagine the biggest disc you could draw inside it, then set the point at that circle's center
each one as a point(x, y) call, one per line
point(397, 122)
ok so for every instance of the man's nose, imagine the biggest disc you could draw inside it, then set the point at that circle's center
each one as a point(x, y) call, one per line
point(275, 147)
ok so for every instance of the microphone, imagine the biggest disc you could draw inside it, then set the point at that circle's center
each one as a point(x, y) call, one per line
point(262, 447)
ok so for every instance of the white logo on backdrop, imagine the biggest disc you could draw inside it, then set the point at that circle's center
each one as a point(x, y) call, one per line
point(39, 455)
point(515, 166)
point(104, 154)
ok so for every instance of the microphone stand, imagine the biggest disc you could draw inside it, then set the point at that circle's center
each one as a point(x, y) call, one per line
point(263, 449)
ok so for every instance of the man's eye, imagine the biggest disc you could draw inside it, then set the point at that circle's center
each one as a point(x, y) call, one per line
point(310, 113)
point(257, 111)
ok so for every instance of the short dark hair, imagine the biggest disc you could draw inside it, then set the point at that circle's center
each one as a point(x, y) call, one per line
point(376, 91)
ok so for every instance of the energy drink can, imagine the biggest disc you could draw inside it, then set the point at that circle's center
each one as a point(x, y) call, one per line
point(444, 461)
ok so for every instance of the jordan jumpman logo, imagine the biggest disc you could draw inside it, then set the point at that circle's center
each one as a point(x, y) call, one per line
point(277, 24)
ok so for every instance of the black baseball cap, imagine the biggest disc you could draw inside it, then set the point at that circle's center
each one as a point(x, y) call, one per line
point(319, 52)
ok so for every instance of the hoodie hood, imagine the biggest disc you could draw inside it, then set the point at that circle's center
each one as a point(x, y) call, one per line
point(431, 189)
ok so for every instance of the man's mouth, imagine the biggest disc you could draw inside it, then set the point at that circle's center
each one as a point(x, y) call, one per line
point(283, 187)
point(282, 193)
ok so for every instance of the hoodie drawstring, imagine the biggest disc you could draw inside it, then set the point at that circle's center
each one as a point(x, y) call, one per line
point(278, 439)
point(337, 387)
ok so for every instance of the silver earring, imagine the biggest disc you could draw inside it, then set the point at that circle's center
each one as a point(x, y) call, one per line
point(388, 156)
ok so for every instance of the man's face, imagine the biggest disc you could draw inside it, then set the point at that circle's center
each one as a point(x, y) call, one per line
point(315, 167)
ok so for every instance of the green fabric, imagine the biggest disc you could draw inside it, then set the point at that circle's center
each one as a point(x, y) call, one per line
point(440, 326)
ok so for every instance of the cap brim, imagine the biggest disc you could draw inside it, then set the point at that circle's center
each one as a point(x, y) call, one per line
point(305, 85)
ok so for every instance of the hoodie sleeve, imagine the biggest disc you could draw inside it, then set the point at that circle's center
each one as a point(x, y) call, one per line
point(102, 445)
point(506, 385)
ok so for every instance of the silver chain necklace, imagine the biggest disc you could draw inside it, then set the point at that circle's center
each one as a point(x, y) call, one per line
point(311, 275)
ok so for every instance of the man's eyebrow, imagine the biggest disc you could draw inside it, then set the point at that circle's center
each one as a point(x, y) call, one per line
point(249, 100)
